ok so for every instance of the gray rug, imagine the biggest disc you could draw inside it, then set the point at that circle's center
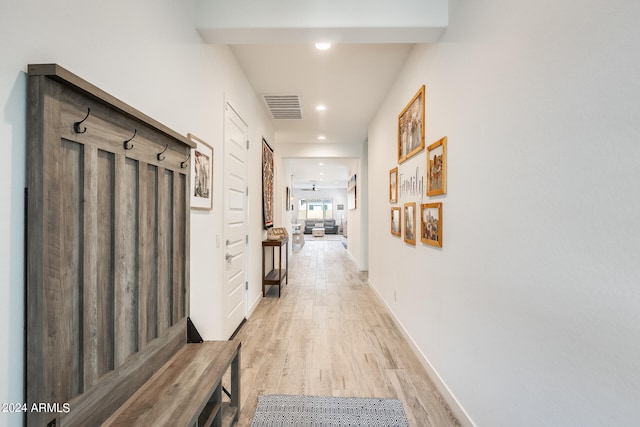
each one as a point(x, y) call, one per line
point(297, 411)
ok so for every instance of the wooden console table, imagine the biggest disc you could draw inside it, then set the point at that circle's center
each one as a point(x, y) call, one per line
point(276, 275)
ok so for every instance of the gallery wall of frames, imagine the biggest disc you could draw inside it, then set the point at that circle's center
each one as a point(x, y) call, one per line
point(421, 220)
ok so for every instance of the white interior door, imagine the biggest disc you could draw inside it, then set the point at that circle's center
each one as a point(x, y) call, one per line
point(235, 219)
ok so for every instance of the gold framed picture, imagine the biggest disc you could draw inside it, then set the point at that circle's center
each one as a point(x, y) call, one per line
point(411, 127)
point(396, 224)
point(437, 167)
point(431, 224)
point(410, 223)
point(393, 185)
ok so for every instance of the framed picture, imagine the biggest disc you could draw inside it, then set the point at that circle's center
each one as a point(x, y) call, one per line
point(393, 185)
point(431, 224)
point(340, 207)
point(352, 202)
point(410, 223)
point(267, 184)
point(437, 167)
point(411, 127)
point(396, 225)
point(201, 174)
point(287, 202)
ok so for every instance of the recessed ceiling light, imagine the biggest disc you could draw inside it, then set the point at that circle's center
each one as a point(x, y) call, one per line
point(322, 137)
point(320, 164)
point(323, 46)
point(321, 108)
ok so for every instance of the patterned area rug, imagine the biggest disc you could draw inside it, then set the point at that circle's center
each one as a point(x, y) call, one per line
point(296, 411)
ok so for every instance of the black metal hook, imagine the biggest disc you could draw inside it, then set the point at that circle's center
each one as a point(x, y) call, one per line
point(160, 156)
point(76, 125)
point(126, 144)
point(185, 163)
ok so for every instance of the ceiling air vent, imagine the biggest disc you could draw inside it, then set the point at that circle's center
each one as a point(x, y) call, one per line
point(284, 107)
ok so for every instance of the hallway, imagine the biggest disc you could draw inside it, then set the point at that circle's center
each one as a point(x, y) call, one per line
point(329, 335)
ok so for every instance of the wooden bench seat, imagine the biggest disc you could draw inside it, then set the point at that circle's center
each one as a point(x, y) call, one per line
point(187, 390)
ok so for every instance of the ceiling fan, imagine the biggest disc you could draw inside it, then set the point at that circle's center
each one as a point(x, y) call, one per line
point(313, 188)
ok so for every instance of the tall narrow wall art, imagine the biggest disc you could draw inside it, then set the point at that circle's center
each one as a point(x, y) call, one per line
point(352, 200)
point(267, 184)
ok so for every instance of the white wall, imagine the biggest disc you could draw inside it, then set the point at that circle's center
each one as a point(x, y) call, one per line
point(530, 313)
point(148, 54)
point(208, 309)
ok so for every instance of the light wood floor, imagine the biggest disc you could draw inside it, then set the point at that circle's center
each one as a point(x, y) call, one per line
point(329, 335)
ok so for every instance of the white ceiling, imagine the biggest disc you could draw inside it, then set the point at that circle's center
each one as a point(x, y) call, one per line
point(274, 47)
point(350, 80)
point(323, 172)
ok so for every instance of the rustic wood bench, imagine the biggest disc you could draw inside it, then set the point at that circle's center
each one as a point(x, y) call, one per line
point(187, 390)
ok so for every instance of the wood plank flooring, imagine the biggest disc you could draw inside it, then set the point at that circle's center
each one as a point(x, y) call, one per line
point(329, 335)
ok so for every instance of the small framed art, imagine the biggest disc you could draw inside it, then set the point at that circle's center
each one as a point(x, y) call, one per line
point(410, 223)
point(351, 194)
point(287, 199)
point(431, 224)
point(393, 185)
point(437, 167)
point(411, 127)
point(396, 224)
point(201, 174)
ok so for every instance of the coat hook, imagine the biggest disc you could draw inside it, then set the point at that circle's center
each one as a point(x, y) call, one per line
point(185, 162)
point(160, 156)
point(126, 144)
point(76, 125)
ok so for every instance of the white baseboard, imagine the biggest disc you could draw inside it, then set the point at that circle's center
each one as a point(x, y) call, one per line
point(253, 306)
point(453, 403)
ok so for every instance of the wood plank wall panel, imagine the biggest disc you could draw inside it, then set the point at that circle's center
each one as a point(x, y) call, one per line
point(179, 259)
point(89, 268)
point(105, 270)
point(147, 293)
point(165, 249)
point(126, 259)
point(108, 252)
point(67, 164)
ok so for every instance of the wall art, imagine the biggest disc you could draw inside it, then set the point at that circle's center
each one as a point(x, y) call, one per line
point(201, 174)
point(393, 185)
point(411, 127)
point(431, 224)
point(396, 225)
point(410, 223)
point(352, 202)
point(267, 184)
point(437, 167)
point(287, 199)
